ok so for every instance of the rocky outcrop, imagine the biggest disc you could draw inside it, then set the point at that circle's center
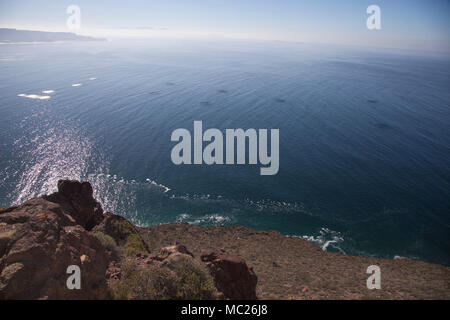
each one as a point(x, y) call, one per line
point(76, 198)
point(171, 257)
point(165, 252)
point(42, 237)
point(231, 275)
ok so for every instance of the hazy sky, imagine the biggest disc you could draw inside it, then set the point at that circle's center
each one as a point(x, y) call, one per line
point(409, 24)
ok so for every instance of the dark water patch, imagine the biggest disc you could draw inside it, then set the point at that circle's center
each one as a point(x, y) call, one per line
point(222, 91)
point(373, 101)
point(279, 100)
point(154, 92)
point(383, 126)
point(205, 103)
point(170, 83)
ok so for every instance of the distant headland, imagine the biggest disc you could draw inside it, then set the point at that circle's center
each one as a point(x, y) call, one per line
point(9, 35)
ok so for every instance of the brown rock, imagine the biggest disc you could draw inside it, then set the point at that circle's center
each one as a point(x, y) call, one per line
point(76, 198)
point(231, 275)
point(171, 256)
point(41, 238)
point(176, 248)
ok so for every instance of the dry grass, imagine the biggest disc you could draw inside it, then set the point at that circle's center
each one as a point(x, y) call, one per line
point(185, 282)
point(292, 268)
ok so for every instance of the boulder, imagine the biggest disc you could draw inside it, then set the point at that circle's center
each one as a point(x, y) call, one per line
point(171, 257)
point(232, 276)
point(177, 248)
point(39, 240)
point(76, 198)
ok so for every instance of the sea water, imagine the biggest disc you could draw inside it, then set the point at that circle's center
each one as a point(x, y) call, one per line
point(364, 136)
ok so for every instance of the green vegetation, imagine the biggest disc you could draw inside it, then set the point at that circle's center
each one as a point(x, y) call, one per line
point(187, 281)
point(125, 236)
point(108, 242)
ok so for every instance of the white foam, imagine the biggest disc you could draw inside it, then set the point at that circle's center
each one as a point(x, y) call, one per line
point(77, 85)
point(33, 96)
point(165, 188)
point(183, 217)
point(325, 239)
point(208, 219)
point(92, 79)
point(48, 91)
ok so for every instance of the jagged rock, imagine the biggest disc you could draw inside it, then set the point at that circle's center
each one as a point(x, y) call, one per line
point(176, 248)
point(42, 237)
point(171, 256)
point(231, 275)
point(77, 200)
point(123, 232)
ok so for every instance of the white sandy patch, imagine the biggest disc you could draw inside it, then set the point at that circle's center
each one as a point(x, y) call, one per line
point(76, 85)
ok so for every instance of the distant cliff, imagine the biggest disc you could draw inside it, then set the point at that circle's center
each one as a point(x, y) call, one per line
point(13, 36)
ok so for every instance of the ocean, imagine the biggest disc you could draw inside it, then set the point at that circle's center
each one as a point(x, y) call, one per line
point(364, 136)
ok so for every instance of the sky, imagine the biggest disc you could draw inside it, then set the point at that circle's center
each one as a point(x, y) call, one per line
point(405, 24)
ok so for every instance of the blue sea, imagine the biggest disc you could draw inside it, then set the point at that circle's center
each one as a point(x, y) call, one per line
point(364, 136)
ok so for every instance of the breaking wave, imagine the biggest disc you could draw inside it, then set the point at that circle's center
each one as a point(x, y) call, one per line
point(208, 219)
point(262, 205)
point(123, 196)
point(326, 239)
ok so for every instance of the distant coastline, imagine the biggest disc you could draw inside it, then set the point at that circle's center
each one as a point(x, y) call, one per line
point(15, 36)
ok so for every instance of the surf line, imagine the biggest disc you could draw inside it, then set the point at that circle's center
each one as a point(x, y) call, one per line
point(235, 147)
